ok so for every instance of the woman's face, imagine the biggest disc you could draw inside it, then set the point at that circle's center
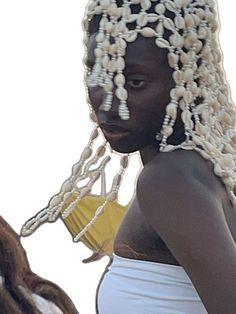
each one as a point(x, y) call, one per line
point(148, 82)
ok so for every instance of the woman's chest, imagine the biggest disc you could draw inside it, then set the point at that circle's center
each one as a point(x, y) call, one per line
point(137, 240)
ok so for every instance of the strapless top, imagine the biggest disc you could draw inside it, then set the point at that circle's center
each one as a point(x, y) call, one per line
point(143, 287)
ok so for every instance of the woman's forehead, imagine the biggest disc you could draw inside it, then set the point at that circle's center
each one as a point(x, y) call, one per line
point(142, 50)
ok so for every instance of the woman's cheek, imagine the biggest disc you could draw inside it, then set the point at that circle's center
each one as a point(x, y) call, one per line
point(96, 95)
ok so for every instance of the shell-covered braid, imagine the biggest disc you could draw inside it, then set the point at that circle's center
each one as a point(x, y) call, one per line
point(80, 172)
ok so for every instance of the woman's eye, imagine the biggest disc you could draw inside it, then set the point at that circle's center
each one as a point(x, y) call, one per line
point(136, 83)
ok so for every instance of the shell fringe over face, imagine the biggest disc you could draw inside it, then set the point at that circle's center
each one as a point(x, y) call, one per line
point(201, 91)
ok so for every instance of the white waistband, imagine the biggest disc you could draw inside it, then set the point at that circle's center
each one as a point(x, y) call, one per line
point(152, 269)
point(143, 287)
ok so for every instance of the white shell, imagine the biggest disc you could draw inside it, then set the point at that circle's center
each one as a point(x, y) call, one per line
point(196, 19)
point(198, 46)
point(228, 162)
point(179, 22)
point(76, 169)
point(98, 52)
point(112, 9)
point(173, 59)
point(88, 151)
point(167, 130)
point(126, 12)
point(112, 66)
point(119, 79)
point(108, 86)
point(188, 75)
point(105, 3)
point(112, 196)
point(100, 210)
point(105, 45)
point(94, 134)
point(169, 24)
point(160, 29)
point(162, 43)
point(56, 200)
point(200, 108)
point(122, 93)
point(169, 148)
point(184, 58)
point(131, 36)
point(121, 43)
point(229, 149)
point(178, 76)
point(100, 37)
point(186, 116)
point(152, 18)
point(201, 2)
point(145, 4)
point(142, 19)
point(202, 33)
point(193, 37)
point(147, 32)
point(105, 61)
point(188, 97)
point(120, 63)
point(180, 90)
point(132, 18)
point(229, 182)
point(179, 3)
point(192, 55)
point(177, 40)
point(98, 10)
point(67, 186)
point(201, 129)
point(171, 6)
point(171, 110)
point(113, 49)
point(160, 9)
point(189, 21)
point(109, 27)
point(121, 26)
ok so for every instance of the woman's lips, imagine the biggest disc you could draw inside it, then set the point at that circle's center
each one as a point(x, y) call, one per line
point(113, 131)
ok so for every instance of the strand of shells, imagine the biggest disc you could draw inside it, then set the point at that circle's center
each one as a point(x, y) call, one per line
point(111, 197)
point(80, 171)
point(201, 91)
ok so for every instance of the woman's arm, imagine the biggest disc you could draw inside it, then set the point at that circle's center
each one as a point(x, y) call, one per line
point(189, 217)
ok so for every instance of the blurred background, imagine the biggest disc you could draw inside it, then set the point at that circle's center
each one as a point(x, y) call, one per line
point(44, 126)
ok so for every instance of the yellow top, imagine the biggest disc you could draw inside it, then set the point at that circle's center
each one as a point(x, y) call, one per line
point(100, 236)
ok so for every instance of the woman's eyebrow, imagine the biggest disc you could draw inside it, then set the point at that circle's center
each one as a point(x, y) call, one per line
point(132, 65)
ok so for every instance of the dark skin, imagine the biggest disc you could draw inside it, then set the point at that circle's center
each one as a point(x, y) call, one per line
point(181, 210)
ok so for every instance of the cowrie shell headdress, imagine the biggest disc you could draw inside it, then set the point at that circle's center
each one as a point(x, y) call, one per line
point(188, 29)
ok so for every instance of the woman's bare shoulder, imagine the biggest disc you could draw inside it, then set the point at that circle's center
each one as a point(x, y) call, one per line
point(181, 199)
point(178, 167)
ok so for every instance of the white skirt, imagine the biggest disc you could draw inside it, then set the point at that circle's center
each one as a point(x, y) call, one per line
point(140, 287)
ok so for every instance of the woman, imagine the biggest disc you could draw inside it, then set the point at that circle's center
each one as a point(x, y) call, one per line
point(156, 86)
point(22, 291)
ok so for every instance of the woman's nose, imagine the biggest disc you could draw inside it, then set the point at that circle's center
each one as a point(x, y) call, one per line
point(110, 103)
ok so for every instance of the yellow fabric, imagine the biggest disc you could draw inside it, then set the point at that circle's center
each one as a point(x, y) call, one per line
point(100, 236)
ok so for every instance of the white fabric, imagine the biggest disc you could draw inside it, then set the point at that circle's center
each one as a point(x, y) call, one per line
point(141, 287)
point(45, 306)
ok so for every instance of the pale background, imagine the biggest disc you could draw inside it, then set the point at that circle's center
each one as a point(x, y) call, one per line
point(44, 126)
